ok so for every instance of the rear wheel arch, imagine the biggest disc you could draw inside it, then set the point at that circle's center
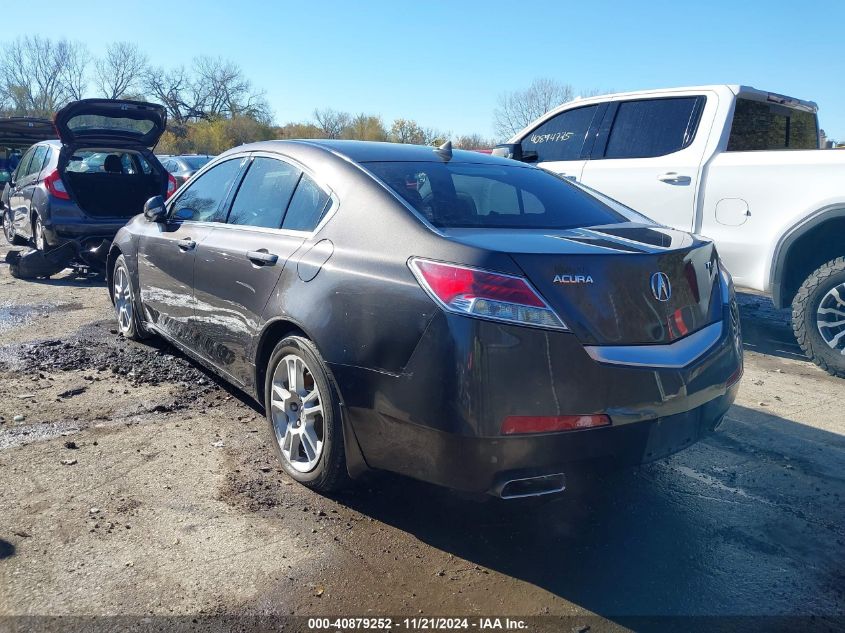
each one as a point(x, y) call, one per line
point(803, 249)
point(274, 332)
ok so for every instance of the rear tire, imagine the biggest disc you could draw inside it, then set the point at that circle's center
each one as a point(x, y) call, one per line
point(303, 412)
point(128, 323)
point(818, 308)
point(9, 230)
point(38, 237)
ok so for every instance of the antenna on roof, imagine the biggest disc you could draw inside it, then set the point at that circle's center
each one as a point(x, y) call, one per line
point(445, 151)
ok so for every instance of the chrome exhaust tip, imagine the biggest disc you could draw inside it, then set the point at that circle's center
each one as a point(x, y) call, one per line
point(530, 486)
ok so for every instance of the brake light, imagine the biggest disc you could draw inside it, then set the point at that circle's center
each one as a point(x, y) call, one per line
point(484, 294)
point(172, 186)
point(516, 424)
point(54, 184)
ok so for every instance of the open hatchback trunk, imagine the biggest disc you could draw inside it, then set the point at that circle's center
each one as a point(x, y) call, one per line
point(107, 160)
point(21, 132)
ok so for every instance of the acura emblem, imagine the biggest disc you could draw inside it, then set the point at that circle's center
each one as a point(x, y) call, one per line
point(660, 286)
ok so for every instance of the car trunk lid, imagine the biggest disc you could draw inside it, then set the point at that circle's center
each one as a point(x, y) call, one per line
point(111, 122)
point(623, 284)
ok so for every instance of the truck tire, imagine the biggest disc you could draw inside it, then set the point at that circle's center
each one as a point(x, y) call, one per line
point(818, 317)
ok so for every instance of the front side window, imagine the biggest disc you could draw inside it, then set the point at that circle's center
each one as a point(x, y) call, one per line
point(203, 200)
point(307, 207)
point(38, 159)
point(24, 166)
point(264, 193)
point(759, 125)
point(462, 195)
point(561, 137)
point(653, 127)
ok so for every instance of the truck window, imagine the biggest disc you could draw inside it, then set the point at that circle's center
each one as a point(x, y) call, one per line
point(653, 127)
point(561, 137)
point(759, 125)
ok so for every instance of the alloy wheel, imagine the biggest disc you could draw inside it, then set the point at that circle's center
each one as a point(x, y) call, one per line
point(830, 318)
point(40, 242)
point(123, 300)
point(297, 413)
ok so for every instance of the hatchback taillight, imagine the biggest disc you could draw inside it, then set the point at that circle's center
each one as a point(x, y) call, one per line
point(484, 294)
point(172, 186)
point(54, 184)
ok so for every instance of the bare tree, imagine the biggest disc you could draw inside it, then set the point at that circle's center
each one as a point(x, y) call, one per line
point(518, 108)
point(406, 131)
point(39, 75)
point(473, 141)
point(121, 71)
point(331, 122)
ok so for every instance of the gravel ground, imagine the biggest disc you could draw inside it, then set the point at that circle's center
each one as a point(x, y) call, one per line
point(134, 482)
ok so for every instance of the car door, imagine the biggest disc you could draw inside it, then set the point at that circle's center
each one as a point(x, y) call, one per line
point(20, 196)
point(563, 142)
point(238, 266)
point(167, 251)
point(651, 156)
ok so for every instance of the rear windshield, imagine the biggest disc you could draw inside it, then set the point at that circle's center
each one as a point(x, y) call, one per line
point(461, 195)
point(94, 162)
point(98, 122)
point(759, 125)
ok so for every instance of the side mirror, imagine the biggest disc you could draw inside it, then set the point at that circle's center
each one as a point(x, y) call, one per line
point(514, 151)
point(154, 209)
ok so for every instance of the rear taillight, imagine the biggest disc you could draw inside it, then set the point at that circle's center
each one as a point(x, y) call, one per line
point(484, 294)
point(517, 424)
point(172, 186)
point(54, 184)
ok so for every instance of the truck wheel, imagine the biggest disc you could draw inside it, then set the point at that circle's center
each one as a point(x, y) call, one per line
point(9, 230)
point(818, 317)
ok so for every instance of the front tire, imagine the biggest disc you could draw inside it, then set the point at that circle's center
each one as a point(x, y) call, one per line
point(9, 230)
point(128, 323)
point(818, 317)
point(303, 412)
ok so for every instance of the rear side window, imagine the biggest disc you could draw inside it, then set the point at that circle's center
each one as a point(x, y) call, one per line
point(561, 137)
point(653, 127)
point(462, 195)
point(203, 200)
point(264, 193)
point(307, 207)
point(759, 125)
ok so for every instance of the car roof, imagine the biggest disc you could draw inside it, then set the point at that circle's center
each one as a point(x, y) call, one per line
point(374, 151)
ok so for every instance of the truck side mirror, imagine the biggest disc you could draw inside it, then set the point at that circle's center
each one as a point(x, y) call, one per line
point(514, 151)
point(154, 209)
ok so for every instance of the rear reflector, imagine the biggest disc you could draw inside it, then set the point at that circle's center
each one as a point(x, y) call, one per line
point(484, 294)
point(54, 184)
point(516, 424)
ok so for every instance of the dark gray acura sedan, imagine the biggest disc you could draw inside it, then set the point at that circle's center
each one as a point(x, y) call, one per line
point(460, 318)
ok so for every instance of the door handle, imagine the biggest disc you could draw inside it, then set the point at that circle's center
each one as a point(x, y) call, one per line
point(674, 178)
point(187, 244)
point(262, 257)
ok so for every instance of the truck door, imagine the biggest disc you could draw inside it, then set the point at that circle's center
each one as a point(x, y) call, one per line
point(562, 143)
point(649, 155)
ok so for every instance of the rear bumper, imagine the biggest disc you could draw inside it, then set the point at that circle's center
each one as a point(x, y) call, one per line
point(440, 419)
point(65, 221)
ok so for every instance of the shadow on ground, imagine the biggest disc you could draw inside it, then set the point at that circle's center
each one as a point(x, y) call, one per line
point(750, 521)
point(766, 330)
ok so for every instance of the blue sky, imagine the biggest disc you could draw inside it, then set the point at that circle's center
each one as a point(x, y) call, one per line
point(445, 63)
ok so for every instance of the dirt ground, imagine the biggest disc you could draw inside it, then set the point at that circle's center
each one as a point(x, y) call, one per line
point(134, 482)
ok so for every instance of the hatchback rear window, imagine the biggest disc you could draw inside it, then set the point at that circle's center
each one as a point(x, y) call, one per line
point(461, 195)
point(120, 124)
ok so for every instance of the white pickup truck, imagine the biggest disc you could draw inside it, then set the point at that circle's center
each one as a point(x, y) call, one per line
point(735, 164)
